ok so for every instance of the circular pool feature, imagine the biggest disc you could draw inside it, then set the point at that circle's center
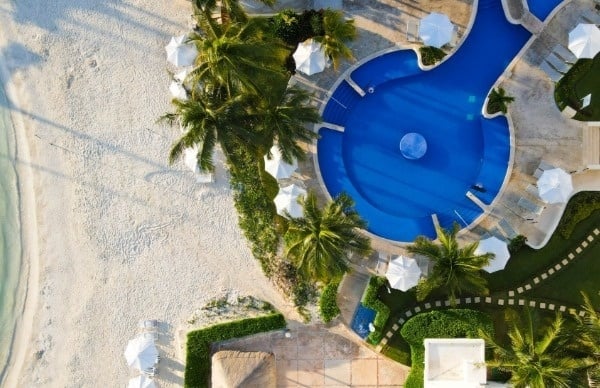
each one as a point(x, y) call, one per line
point(410, 152)
point(413, 146)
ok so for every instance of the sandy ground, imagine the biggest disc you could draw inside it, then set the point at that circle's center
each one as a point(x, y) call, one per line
point(121, 235)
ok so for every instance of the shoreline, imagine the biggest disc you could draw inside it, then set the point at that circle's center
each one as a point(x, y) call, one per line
point(28, 283)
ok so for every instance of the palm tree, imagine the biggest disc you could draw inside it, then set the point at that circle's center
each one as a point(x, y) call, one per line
point(538, 357)
point(498, 101)
point(207, 119)
point(238, 56)
point(589, 337)
point(319, 242)
point(455, 269)
point(337, 31)
point(284, 121)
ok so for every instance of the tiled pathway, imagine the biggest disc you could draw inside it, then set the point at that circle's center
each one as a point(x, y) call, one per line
point(512, 295)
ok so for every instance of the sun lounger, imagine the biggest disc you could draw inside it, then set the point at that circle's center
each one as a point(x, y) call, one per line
point(564, 53)
point(508, 230)
point(590, 17)
point(550, 71)
point(543, 166)
point(148, 324)
point(532, 190)
point(150, 372)
point(558, 63)
point(383, 260)
point(530, 206)
point(412, 31)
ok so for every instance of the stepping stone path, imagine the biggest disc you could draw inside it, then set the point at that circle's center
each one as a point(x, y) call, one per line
point(510, 300)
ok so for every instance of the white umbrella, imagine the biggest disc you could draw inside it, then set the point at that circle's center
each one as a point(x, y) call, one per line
point(141, 352)
point(277, 167)
point(403, 273)
point(555, 186)
point(180, 53)
point(310, 57)
point(178, 91)
point(436, 29)
point(287, 200)
point(141, 382)
point(584, 40)
point(498, 248)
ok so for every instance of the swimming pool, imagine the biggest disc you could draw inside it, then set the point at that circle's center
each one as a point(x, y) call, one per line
point(397, 195)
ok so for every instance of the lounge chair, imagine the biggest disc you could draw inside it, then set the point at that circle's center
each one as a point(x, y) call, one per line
point(383, 260)
point(508, 230)
point(550, 71)
point(148, 324)
point(564, 53)
point(150, 372)
point(543, 166)
point(530, 206)
point(558, 63)
point(532, 190)
point(412, 31)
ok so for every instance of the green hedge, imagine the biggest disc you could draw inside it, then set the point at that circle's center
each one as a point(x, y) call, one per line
point(453, 323)
point(587, 202)
point(328, 306)
point(197, 363)
point(382, 311)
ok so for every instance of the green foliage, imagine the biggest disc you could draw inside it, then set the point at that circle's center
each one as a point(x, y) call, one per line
point(337, 32)
point(382, 312)
point(255, 208)
point(431, 55)
point(461, 323)
point(578, 210)
point(582, 79)
point(498, 101)
point(328, 306)
point(319, 241)
point(516, 243)
point(456, 269)
point(293, 28)
point(197, 365)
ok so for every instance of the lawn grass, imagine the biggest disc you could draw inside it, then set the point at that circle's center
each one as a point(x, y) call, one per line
point(582, 79)
point(562, 288)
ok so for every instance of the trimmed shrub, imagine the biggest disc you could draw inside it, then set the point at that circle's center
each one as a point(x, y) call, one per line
point(328, 306)
point(580, 207)
point(453, 323)
point(293, 28)
point(197, 363)
point(382, 311)
point(516, 243)
point(431, 55)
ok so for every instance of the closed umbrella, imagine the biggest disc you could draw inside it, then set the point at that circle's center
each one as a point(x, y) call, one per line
point(278, 167)
point(180, 53)
point(310, 57)
point(287, 200)
point(436, 29)
point(555, 186)
point(498, 248)
point(141, 352)
point(584, 40)
point(403, 273)
point(141, 382)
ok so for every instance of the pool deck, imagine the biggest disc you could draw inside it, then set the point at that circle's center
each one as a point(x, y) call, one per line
point(541, 131)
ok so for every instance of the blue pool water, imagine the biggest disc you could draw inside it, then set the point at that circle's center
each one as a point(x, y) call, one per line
point(360, 322)
point(395, 195)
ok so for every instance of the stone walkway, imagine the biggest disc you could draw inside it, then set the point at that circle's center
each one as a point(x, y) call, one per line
point(510, 300)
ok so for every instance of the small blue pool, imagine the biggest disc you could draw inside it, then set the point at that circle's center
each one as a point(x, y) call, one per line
point(360, 322)
point(458, 150)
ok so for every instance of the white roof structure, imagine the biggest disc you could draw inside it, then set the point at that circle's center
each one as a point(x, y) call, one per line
point(310, 57)
point(454, 363)
point(436, 30)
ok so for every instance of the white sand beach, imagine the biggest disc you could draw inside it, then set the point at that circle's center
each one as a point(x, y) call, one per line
point(112, 233)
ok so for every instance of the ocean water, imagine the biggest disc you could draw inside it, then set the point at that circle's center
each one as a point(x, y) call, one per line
point(10, 242)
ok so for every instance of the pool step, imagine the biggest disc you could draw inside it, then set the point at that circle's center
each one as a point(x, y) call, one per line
point(340, 104)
